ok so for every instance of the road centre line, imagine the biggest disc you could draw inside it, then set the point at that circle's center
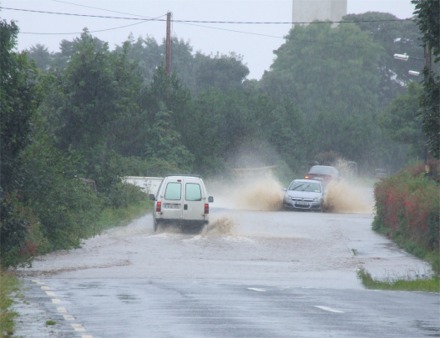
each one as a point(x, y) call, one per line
point(78, 327)
point(61, 309)
point(51, 294)
point(257, 289)
point(329, 309)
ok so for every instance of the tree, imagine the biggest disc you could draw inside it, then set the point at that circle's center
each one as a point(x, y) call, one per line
point(41, 56)
point(18, 99)
point(225, 72)
point(165, 142)
point(395, 36)
point(428, 18)
point(91, 93)
point(402, 123)
point(331, 75)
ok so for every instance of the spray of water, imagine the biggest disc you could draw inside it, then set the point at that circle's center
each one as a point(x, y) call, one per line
point(263, 194)
point(221, 226)
point(344, 197)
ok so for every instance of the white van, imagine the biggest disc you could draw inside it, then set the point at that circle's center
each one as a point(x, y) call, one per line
point(181, 200)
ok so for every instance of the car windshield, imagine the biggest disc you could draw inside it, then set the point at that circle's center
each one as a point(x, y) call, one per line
point(305, 186)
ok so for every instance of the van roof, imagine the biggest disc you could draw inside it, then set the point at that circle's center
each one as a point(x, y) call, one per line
point(192, 176)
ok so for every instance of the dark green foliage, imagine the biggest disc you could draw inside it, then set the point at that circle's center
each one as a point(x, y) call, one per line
point(91, 92)
point(428, 18)
point(331, 77)
point(402, 122)
point(63, 203)
point(395, 36)
point(18, 100)
point(122, 195)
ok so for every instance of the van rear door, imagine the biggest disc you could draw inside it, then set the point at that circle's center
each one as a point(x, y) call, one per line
point(193, 207)
point(172, 206)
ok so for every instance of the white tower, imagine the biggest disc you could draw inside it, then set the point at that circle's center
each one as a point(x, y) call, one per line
point(321, 10)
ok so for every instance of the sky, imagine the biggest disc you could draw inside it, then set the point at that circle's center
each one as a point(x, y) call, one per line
point(255, 43)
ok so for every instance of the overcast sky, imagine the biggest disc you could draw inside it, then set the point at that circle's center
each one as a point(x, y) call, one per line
point(255, 43)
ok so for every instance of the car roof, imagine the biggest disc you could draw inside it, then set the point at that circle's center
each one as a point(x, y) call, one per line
point(323, 169)
point(182, 176)
point(306, 180)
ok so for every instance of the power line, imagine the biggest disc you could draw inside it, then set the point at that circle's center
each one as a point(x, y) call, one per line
point(83, 15)
point(200, 21)
point(101, 9)
point(74, 33)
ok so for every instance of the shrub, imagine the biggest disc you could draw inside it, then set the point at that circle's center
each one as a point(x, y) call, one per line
point(123, 194)
point(407, 210)
point(20, 232)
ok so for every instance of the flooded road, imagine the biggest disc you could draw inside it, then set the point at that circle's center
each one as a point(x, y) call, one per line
point(249, 274)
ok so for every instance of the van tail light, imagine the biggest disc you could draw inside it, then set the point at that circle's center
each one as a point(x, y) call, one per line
point(206, 208)
point(158, 206)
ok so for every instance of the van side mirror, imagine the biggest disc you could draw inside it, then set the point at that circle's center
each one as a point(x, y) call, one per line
point(152, 197)
point(210, 199)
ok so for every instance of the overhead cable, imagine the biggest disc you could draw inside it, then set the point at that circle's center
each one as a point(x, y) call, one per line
point(139, 18)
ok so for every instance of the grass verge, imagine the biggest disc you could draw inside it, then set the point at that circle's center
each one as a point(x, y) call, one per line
point(8, 284)
point(427, 285)
point(111, 217)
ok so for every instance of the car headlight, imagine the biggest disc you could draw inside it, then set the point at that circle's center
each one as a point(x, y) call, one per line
point(316, 199)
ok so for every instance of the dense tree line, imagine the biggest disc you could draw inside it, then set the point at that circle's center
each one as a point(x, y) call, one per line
point(91, 114)
point(427, 19)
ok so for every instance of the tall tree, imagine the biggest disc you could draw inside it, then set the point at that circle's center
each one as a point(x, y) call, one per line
point(402, 123)
point(396, 37)
point(331, 75)
point(428, 18)
point(18, 101)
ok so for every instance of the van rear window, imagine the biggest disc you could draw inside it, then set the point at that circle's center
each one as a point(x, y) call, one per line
point(193, 192)
point(173, 191)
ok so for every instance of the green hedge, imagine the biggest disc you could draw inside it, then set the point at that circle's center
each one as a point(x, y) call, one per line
point(407, 210)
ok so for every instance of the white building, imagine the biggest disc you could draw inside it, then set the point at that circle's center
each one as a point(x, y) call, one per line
point(318, 10)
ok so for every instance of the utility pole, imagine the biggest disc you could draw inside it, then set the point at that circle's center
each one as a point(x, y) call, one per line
point(168, 46)
point(428, 79)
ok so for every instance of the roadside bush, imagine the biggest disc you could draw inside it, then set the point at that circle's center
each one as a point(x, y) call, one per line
point(20, 233)
point(407, 210)
point(64, 205)
point(123, 194)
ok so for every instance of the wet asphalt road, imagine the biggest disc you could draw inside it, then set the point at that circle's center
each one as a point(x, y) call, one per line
point(251, 274)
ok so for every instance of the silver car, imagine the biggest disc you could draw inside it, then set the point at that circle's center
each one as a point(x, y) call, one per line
point(305, 195)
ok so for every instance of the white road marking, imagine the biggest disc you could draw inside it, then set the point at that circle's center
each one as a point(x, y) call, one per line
point(329, 309)
point(61, 309)
point(51, 294)
point(78, 327)
point(257, 289)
